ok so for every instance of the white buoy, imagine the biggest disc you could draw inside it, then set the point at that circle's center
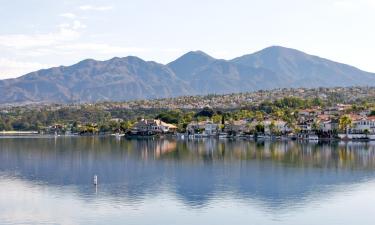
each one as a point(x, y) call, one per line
point(95, 180)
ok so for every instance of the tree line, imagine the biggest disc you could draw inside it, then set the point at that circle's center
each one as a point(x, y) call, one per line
point(93, 118)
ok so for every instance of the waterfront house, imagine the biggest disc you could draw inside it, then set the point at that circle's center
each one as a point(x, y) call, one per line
point(207, 128)
point(308, 113)
point(55, 128)
point(363, 125)
point(236, 127)
point(147, 126)
point(277, 126)
point(117, 120)
point(326, 123)
point(336, 110)
point(305, 126)
point(365, 113)
point(211, 128)
point(195, 127)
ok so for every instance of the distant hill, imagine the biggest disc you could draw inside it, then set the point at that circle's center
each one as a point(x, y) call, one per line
point(194, 73)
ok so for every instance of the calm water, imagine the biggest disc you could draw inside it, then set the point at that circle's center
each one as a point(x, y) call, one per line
point(49, 181)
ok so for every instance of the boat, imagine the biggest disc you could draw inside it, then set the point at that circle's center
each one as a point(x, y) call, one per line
point(200, 136)
point(263, 137)
point(223, 135)
point(118, 135)
point(312, 137)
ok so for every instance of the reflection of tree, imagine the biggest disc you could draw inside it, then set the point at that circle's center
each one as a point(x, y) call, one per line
point(351, 155)
point(289, 153)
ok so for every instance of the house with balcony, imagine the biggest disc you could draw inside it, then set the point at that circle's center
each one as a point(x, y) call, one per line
point(151, 127)
point(278, 126)
point(363, 125)
point(236, 127)
point(206, 128)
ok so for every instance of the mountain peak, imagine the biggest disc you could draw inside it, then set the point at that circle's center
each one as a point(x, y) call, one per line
point(86, 62)
point(271, 56)
point(187, 63)
point(279, 50)
point(198, 53)
point(191, 56)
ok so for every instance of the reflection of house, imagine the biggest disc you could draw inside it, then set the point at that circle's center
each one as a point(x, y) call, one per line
point(164, 147)
point(152, 127)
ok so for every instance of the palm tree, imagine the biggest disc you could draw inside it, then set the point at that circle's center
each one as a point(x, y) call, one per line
point(345, 122)
point(315, 126)
point(272, 127)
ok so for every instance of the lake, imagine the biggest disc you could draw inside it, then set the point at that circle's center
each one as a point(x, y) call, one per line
point(50, 181)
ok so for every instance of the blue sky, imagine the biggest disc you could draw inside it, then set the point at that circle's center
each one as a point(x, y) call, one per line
point(37, 34)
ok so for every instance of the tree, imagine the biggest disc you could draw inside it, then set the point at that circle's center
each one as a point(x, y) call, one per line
point(345, 122)
point(173, 116)
point(315, 126)
point(278, 113)
point(259, 128)
point(2, 124)
point(251, 128)
point(366, 132)
point(272, 127)
point(126, 125)
point(205, 112)
point(216, 118)
point(259, 116)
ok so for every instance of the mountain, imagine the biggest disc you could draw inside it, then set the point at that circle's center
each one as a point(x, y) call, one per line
point(194, 73)
point(89, 81)
point(299, 69)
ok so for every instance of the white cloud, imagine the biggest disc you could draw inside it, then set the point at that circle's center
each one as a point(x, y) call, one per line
point(39, 40)
point(371, 3)
point(78, 25)
point(19, 41)
point(95, 8)
point(75, 25)
point(344, 4)
point(354, 6)
point(68, 15)
point(12, 68)
point(74, 48)
point(67, 32)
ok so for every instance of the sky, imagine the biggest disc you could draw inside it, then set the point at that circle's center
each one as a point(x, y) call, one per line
point(36, 34)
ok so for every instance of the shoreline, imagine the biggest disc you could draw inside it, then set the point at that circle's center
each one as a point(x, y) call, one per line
point(178, 137)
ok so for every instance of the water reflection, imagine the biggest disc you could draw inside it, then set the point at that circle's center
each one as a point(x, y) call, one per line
point(275, 174)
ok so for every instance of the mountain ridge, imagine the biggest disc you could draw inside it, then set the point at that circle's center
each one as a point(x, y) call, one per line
point(194, 73)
